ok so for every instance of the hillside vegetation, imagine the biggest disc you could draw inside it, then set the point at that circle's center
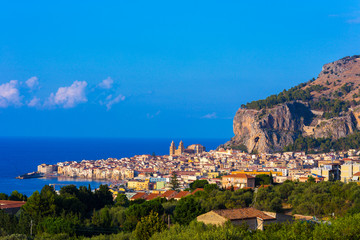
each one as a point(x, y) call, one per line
point(78, 213)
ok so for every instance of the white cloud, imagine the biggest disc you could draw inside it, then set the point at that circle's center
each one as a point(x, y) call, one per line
point(210, 115)
point(32, 82)
point(9, 94)
point(69, 97)
point(111, 101)
point(35, 102)
point(106, 83)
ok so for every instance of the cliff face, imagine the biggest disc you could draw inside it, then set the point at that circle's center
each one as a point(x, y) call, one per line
point(271, 129)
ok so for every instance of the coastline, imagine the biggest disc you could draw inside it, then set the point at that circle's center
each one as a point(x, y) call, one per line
point(23, 154)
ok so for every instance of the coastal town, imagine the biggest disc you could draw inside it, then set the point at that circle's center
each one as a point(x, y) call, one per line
point(149, 176)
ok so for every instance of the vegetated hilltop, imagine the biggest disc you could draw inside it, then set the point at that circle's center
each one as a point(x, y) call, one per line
point(327, 108)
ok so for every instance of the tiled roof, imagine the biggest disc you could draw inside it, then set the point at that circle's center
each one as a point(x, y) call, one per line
point(139, 195)
point(168, 193)
point(5, 204)
point(243, 213)
point(152, 196)
point(181, 194)
point(357, 174)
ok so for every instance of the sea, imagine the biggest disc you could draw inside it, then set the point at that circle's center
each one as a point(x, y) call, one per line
point(22, 155)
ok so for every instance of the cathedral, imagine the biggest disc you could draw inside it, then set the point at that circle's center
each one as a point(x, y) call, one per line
point(194, 148)
point(174, 151)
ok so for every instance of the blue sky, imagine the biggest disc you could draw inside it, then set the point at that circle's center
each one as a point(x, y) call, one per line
point(158, 68)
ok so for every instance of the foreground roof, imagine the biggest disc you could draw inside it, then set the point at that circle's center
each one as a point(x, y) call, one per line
point(243, 213)
point(5, 204)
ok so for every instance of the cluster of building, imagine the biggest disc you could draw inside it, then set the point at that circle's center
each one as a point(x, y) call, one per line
point(227, 168)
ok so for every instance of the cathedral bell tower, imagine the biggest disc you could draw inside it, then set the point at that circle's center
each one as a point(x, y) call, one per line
point(172, 149)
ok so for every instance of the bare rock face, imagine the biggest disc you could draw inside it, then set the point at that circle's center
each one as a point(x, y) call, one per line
point(270, 130)
point(334, 128)
point(339, 66)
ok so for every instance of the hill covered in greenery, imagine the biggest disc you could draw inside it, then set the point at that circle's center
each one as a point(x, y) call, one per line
point(82, 214)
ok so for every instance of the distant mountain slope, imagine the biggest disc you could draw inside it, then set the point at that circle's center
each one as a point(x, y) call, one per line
point(328, 107)
point(341, 78)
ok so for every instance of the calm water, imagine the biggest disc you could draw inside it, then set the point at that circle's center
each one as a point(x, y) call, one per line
point(22, 155)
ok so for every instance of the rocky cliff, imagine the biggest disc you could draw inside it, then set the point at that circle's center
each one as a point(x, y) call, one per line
point(269, 129)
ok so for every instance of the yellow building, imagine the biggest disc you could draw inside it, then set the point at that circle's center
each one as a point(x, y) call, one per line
point(239, 180)
point(322, 172)
point(138, 185)
point(348, 170)
point(60, 170)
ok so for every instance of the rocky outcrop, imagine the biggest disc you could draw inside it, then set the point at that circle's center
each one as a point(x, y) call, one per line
point(270, 130)
point(334, 128)
point(336, 92)
point(339, 66)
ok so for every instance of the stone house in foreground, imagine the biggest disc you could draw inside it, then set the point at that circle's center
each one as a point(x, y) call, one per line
point(254, 218)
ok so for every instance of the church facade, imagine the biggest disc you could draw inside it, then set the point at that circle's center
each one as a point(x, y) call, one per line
point(194, 148)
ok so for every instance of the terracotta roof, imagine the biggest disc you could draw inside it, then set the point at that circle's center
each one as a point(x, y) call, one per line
point(357, 174)
point(181, 194)
point(139, 195)
point(238, 175)
point(197, 190)
point(152, 196)
point(168, 193)
point(243, 213)
point(5, 204)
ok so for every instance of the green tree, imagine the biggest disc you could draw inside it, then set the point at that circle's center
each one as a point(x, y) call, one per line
point(311, 179)
point(211, 187)
point(122, 200)
point(16, 196)
point(69, 190)
point(263, 179)
point(3, 196)
point(174, 182)
point(33, 207)
point(55, 225)
point(198, 184)
point(148, 226)
point(103, 196)
point(187, 209)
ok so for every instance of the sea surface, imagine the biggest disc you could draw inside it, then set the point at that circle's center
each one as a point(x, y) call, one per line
point(22, 155)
